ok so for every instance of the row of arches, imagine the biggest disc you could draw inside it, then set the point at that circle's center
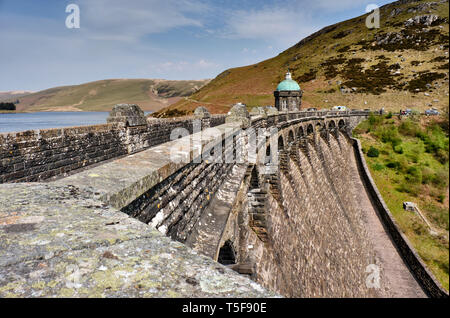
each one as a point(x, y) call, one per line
point(298, 131)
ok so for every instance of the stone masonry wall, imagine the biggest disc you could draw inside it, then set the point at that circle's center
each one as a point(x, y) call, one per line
point(37, 155)
point(41, 154)
point(314, 243)
point(176, 204)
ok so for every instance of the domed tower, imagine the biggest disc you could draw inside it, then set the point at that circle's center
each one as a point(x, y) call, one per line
point(288, 95)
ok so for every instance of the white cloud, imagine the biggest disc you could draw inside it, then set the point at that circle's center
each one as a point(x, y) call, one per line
point(113, 40)
point(341, 5)
point(182, 66)
point(130, 20)
point(286, 22)
point(275, 25)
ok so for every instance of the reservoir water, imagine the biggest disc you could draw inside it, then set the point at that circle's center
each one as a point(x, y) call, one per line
point(43, 120)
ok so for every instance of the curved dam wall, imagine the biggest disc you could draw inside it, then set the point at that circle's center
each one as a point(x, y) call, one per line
point(298, 232)
point(308, 240)
point(299, 228)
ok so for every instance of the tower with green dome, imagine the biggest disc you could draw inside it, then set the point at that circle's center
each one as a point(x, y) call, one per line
point(288, 95)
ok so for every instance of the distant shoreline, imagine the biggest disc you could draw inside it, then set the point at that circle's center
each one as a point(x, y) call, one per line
point(50, 111)
point(60, 111)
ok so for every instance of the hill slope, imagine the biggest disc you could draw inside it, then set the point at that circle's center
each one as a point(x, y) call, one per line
point(13, 95)
point(408, 160)
point(150, 94)
point(349, 64)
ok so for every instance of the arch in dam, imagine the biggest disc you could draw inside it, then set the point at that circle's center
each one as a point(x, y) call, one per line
point(300, 132)
point(318, 128)
point(331, 125)
point(227, 254)
point(285, 223)
point(280, 142)
point(291, 137)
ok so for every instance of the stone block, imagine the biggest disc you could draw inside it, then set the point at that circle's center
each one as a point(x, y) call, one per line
point(129, 114)
point(201, 113)
point(240, 115)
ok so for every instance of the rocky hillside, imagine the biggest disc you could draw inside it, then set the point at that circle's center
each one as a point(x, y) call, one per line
point(150, 94)
point(403, 64)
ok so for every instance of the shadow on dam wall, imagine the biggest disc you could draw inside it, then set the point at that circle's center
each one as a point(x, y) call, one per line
point(314, 228)
point(316, 245)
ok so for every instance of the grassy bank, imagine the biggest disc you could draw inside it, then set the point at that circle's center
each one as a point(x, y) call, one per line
point(409, 161)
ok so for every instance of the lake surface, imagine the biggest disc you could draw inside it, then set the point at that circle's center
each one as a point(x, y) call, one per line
point(43, 120)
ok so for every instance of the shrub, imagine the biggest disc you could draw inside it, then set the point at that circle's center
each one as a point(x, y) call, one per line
point(392, 164)
point(389, 134)
point(414, 156)
point(441, 155)
point(414, 175)
point(423, 136)
point(373, 152)
point(435, 142)
point(377, 166)
point(398, 149)
point(395, 141)
point(400, 165)
point(7, 106)
point(408, 187)
point(389, 115)
point(375, 120)
point(427, 175)
point(441, 178)
point(409, 128)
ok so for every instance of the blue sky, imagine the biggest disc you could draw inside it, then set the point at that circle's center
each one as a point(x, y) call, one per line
point(171, 39)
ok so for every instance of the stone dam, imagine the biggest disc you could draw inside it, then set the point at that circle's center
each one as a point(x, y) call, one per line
point(142, 207)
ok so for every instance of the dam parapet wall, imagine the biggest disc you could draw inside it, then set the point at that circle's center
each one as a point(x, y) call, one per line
point(38, 155)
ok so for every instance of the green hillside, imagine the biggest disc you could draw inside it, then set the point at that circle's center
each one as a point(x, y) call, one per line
point(102, 95)
point(399, 65)
point(409, 161)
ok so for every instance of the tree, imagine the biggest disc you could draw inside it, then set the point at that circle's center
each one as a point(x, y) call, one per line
point(7, 106)
point(373, 152)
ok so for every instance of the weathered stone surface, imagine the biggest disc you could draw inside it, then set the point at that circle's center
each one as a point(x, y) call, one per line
point(60, 242)
point(258, 111)
point(42, 154)
point(121, 181)
point(313, 198)
point(201, 112)
point(271, 111)
point(239, 115)
point(129, 114)
point(427, 20)
point(213, 220)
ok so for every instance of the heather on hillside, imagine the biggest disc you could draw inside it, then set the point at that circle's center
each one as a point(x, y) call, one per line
point(404, 63)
